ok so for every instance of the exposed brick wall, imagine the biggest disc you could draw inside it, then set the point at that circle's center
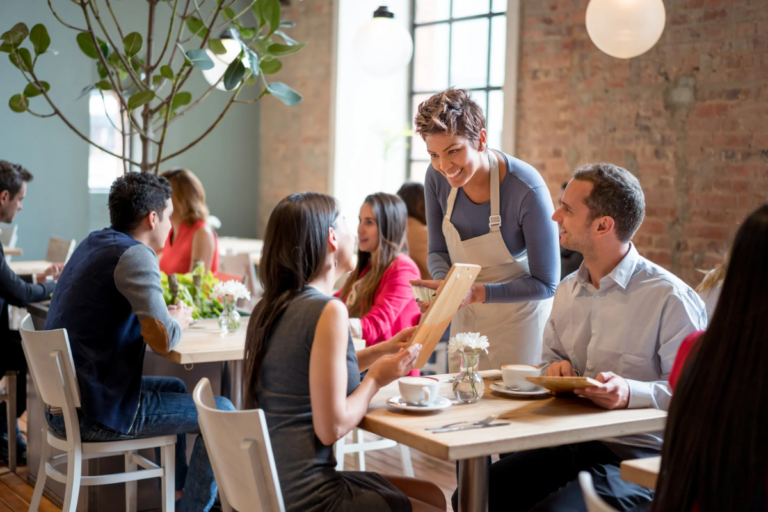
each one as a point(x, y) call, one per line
point(689, 118)
point(295, 141)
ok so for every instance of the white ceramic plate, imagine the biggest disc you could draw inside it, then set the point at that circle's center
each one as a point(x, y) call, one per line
point(499, 387)
point(398, 403)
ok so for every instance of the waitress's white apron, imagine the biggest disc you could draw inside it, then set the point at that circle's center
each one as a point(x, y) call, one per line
point(514, 330)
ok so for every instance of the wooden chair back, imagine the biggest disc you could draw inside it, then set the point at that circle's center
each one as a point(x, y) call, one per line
point(241, 454)
point(60, 249)
point(241, 265)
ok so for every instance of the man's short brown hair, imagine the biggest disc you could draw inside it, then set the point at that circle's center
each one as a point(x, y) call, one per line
point(12, 176)
point(616, 193)
point(452, 111)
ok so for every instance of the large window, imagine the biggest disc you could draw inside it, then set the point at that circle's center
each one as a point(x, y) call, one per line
point(459, 43)
point(104, 113)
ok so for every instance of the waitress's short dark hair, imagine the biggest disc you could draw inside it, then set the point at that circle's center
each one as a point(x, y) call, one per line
point(616, 193)
point(452, 111)
point(133, 196)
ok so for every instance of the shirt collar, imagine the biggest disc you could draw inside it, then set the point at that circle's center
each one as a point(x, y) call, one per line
point(621, 274)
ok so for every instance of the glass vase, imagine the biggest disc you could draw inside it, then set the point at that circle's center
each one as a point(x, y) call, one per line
point(229, 319)
point(468, 386)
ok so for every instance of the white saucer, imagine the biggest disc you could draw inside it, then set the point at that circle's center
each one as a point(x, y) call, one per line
point(398, 403)
point(501, 388)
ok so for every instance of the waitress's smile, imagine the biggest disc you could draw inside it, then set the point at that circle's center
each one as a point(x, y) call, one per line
point(453, 156)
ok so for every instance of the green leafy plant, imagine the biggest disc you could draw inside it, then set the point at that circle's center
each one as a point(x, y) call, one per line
point(187, 292)
point(150, 86)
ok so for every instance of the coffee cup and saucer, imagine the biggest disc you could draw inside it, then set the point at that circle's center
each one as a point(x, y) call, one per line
point(515, 384)
point(419, 394)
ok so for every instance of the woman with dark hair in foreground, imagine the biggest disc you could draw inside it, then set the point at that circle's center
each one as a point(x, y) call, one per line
point(302, 370)
point(715, 454)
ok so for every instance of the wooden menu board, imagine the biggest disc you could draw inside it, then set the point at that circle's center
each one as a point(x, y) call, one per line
point(441, 310)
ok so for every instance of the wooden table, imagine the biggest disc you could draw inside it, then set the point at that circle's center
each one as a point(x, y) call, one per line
point(643, 472)
point(29, 267)
point(233, 245)
point(534, 424)
point(13, 251)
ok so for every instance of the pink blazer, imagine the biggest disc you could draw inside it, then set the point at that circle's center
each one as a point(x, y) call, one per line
point(394, 307)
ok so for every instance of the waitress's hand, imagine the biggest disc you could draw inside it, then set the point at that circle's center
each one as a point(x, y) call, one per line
point(476, 294)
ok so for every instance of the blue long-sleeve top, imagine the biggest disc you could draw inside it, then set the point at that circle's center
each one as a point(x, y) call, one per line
point(526, 225)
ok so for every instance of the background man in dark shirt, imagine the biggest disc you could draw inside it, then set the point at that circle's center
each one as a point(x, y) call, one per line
point(16, 291)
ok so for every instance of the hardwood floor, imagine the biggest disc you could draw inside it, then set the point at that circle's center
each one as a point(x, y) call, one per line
point(15, 493)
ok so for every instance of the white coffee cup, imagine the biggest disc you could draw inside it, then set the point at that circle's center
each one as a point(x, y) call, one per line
point(419, 390)
point(514, 376)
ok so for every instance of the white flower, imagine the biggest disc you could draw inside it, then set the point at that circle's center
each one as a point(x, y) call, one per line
point(465, 340)
point(234, 289)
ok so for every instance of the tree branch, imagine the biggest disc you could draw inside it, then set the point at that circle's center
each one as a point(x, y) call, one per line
point(41, 115)
point(66, 121)
point(210, 128)
point(194, 103)
point(128, 67)
point(62, 21)
point(165, 129)
point(119, 30)
point(253, 2)
point(167, 40)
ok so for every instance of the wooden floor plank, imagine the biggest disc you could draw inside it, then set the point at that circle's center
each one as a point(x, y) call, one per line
point(18, 484)
point(12, 500)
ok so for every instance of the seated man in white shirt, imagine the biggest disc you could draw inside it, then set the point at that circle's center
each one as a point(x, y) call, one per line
point(620, 320)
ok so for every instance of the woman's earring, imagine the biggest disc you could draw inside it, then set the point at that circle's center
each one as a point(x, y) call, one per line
point(335, 263)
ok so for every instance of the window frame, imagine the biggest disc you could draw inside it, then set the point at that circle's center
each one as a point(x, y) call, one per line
point(410, 160)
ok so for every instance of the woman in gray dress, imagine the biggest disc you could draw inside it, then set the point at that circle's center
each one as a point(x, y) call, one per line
point(302, 370)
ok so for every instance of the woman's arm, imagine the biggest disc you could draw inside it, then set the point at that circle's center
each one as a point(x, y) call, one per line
point(541, 243)
point(203, 246)
point(392, 296)
point(438, 261)
point(334, 413)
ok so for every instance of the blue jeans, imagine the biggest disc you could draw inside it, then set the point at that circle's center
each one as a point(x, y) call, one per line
point(165, 408)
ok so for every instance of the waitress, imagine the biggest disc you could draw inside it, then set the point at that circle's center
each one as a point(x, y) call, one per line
point(489, 209)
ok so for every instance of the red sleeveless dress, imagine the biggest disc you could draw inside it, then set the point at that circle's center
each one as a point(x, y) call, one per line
point(177, 254)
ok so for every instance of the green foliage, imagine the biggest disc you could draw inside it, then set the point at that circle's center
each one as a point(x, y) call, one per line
point(18, 103)
point(284, 93)
point(40, 39)
point(217, 47)
point(16, 35)
point(197, 27)
point(271, 67)
point(140, 98)
point(187, 292)
point(167, 72)
point(32, 90)
point(85, 42)
point(281, 50)
point(234, 74)
point(181, 99)
point(132, 44)
point(22, 59)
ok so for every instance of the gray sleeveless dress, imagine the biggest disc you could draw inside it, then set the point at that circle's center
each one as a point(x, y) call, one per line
point(305, 466)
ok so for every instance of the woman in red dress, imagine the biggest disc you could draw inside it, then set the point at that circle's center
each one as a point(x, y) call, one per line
point(715, 454)
point(191, 238)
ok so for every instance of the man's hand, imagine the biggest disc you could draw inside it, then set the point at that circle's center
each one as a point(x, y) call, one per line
point(475, 294)
point(182, 313)
point(54, 271)
point(613, 394)
point(561, 369)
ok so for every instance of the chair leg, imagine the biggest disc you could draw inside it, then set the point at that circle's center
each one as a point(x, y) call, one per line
point(339, 451)
point(45, 454)
point(74, 474)
point(361, 454)
point(11, 411)
point(131, 488)
point(168, 461)
point(405, 460)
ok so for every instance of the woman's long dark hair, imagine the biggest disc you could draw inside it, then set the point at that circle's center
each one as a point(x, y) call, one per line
point(392, 220)
point(412, 194)
point(715, 453)
point(294, 254)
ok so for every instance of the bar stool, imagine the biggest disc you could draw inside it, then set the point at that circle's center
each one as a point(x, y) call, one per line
point(10, 404)
point(50, 363)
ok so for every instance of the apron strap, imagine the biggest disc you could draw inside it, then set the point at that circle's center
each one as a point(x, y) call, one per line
point(494, 222)
point(451, 201)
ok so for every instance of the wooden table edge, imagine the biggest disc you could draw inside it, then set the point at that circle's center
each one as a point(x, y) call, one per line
point(454, 453)
point(642, 476)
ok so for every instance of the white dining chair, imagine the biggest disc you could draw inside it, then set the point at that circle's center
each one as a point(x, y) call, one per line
point(360, 446)
point(593, 500)
point(240, 452)
point(8, 237)
point(60, 249)
point(50, 363)
point(9, 397)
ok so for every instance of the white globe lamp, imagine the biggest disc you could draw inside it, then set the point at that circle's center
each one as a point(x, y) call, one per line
point(383, 46)
point(220, 62)
point(625, 28)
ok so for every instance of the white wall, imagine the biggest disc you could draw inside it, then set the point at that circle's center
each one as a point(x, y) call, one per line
point(364, 107)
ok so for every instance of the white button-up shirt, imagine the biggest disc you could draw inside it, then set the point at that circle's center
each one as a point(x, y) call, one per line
point(632, 326)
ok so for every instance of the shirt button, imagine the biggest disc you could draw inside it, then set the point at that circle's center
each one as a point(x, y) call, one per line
point(594, 331)
point(589, 367)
